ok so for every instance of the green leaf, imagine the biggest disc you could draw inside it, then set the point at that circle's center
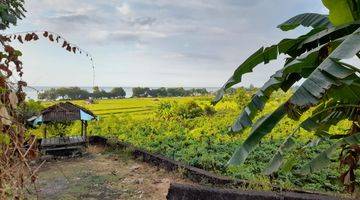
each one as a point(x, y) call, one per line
point(320, 121)
point(307, 20)
point(284, 79)
point(330, 76)
point(278, 158)
point(10, 12)
point(263, 55)
point(17, 53)
point(292, 47)
point(258, 101)
point(261, 129)
point(340, 12)
point(355, 8)
point(324, 159)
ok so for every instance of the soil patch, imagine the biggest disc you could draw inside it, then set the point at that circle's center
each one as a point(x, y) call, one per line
point(104, 174)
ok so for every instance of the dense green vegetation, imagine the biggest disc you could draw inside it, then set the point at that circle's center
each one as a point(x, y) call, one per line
point(75, 93)
point(167, 92)
point(189, 129)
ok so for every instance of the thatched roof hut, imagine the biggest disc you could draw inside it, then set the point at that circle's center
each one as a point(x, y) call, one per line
point(64, 112)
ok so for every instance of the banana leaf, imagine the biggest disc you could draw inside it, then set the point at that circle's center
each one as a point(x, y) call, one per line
point(261, 129)
point(324, 159)
point(319, 122)
point(307, 20)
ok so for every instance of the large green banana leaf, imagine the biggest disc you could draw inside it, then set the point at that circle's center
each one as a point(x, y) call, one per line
point(329, 75)
point(260, 129)
point(342, 11)
point(324, 159)
point(322, 120)
point(263, 55)
point(307, 20)
point(319, 122)
point(277, 161)
point(291, 47)
point(293, 71)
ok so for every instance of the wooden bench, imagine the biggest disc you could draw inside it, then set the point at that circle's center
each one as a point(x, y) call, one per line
point(62, 145)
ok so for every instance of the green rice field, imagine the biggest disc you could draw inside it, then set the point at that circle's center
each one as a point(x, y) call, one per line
point(139, 107)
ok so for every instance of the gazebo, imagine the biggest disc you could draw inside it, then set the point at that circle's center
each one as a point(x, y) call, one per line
point(64, 113)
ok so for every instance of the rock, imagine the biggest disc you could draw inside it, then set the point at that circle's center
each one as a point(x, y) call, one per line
point(139, 181)
point(157, 181)
point(134, 167)
point(46, 158)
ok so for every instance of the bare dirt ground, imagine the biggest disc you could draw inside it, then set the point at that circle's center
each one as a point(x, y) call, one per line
point(103, 174)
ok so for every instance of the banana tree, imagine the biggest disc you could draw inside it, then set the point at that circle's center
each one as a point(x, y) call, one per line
point(319, 57)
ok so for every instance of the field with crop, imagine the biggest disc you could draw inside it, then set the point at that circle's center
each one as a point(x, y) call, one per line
point(190, 130)
point(139, 107)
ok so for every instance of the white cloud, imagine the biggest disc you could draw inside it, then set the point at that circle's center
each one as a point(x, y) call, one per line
point(124, 36)
point(210, 37)
point(124, 9)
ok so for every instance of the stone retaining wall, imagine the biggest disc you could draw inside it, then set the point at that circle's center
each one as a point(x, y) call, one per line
point(187, 192)
point(190, 192)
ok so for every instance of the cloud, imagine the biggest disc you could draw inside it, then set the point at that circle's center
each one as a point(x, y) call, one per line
point(143, 21)
point(96, 21)
point(194, 56)
point(138, 36)
point(210, 36)
point(124, 9)
point(202, 4)
point(120, 35)
point(72, 18)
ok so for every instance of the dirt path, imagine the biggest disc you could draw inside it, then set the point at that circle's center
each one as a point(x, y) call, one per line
point(104, 175)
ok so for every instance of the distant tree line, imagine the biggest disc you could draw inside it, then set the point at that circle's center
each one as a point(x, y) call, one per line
point(167, 92)
point(76, 93)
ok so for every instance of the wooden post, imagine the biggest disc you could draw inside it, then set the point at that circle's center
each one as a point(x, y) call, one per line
point(45, 131)
point(85, 132)
point(82, 128)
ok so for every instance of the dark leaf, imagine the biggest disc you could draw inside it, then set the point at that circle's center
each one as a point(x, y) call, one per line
point(65, 44)
point(35, 36)
point(46, 34)
point(28, 37)
point(20, 39)
point(51, 38)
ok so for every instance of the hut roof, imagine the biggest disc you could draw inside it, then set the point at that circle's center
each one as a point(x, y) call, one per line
point(65, 112)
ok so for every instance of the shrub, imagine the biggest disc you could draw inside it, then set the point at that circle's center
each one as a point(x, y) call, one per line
point(209, 110)
point(173, 110)
point(189, 110)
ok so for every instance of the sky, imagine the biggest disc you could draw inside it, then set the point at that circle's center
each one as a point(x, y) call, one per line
point(154, 43)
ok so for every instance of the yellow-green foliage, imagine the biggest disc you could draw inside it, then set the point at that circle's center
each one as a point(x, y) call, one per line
point(340, 12)
point(183, 129)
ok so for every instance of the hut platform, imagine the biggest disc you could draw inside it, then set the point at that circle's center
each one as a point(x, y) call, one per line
point(63, 145)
